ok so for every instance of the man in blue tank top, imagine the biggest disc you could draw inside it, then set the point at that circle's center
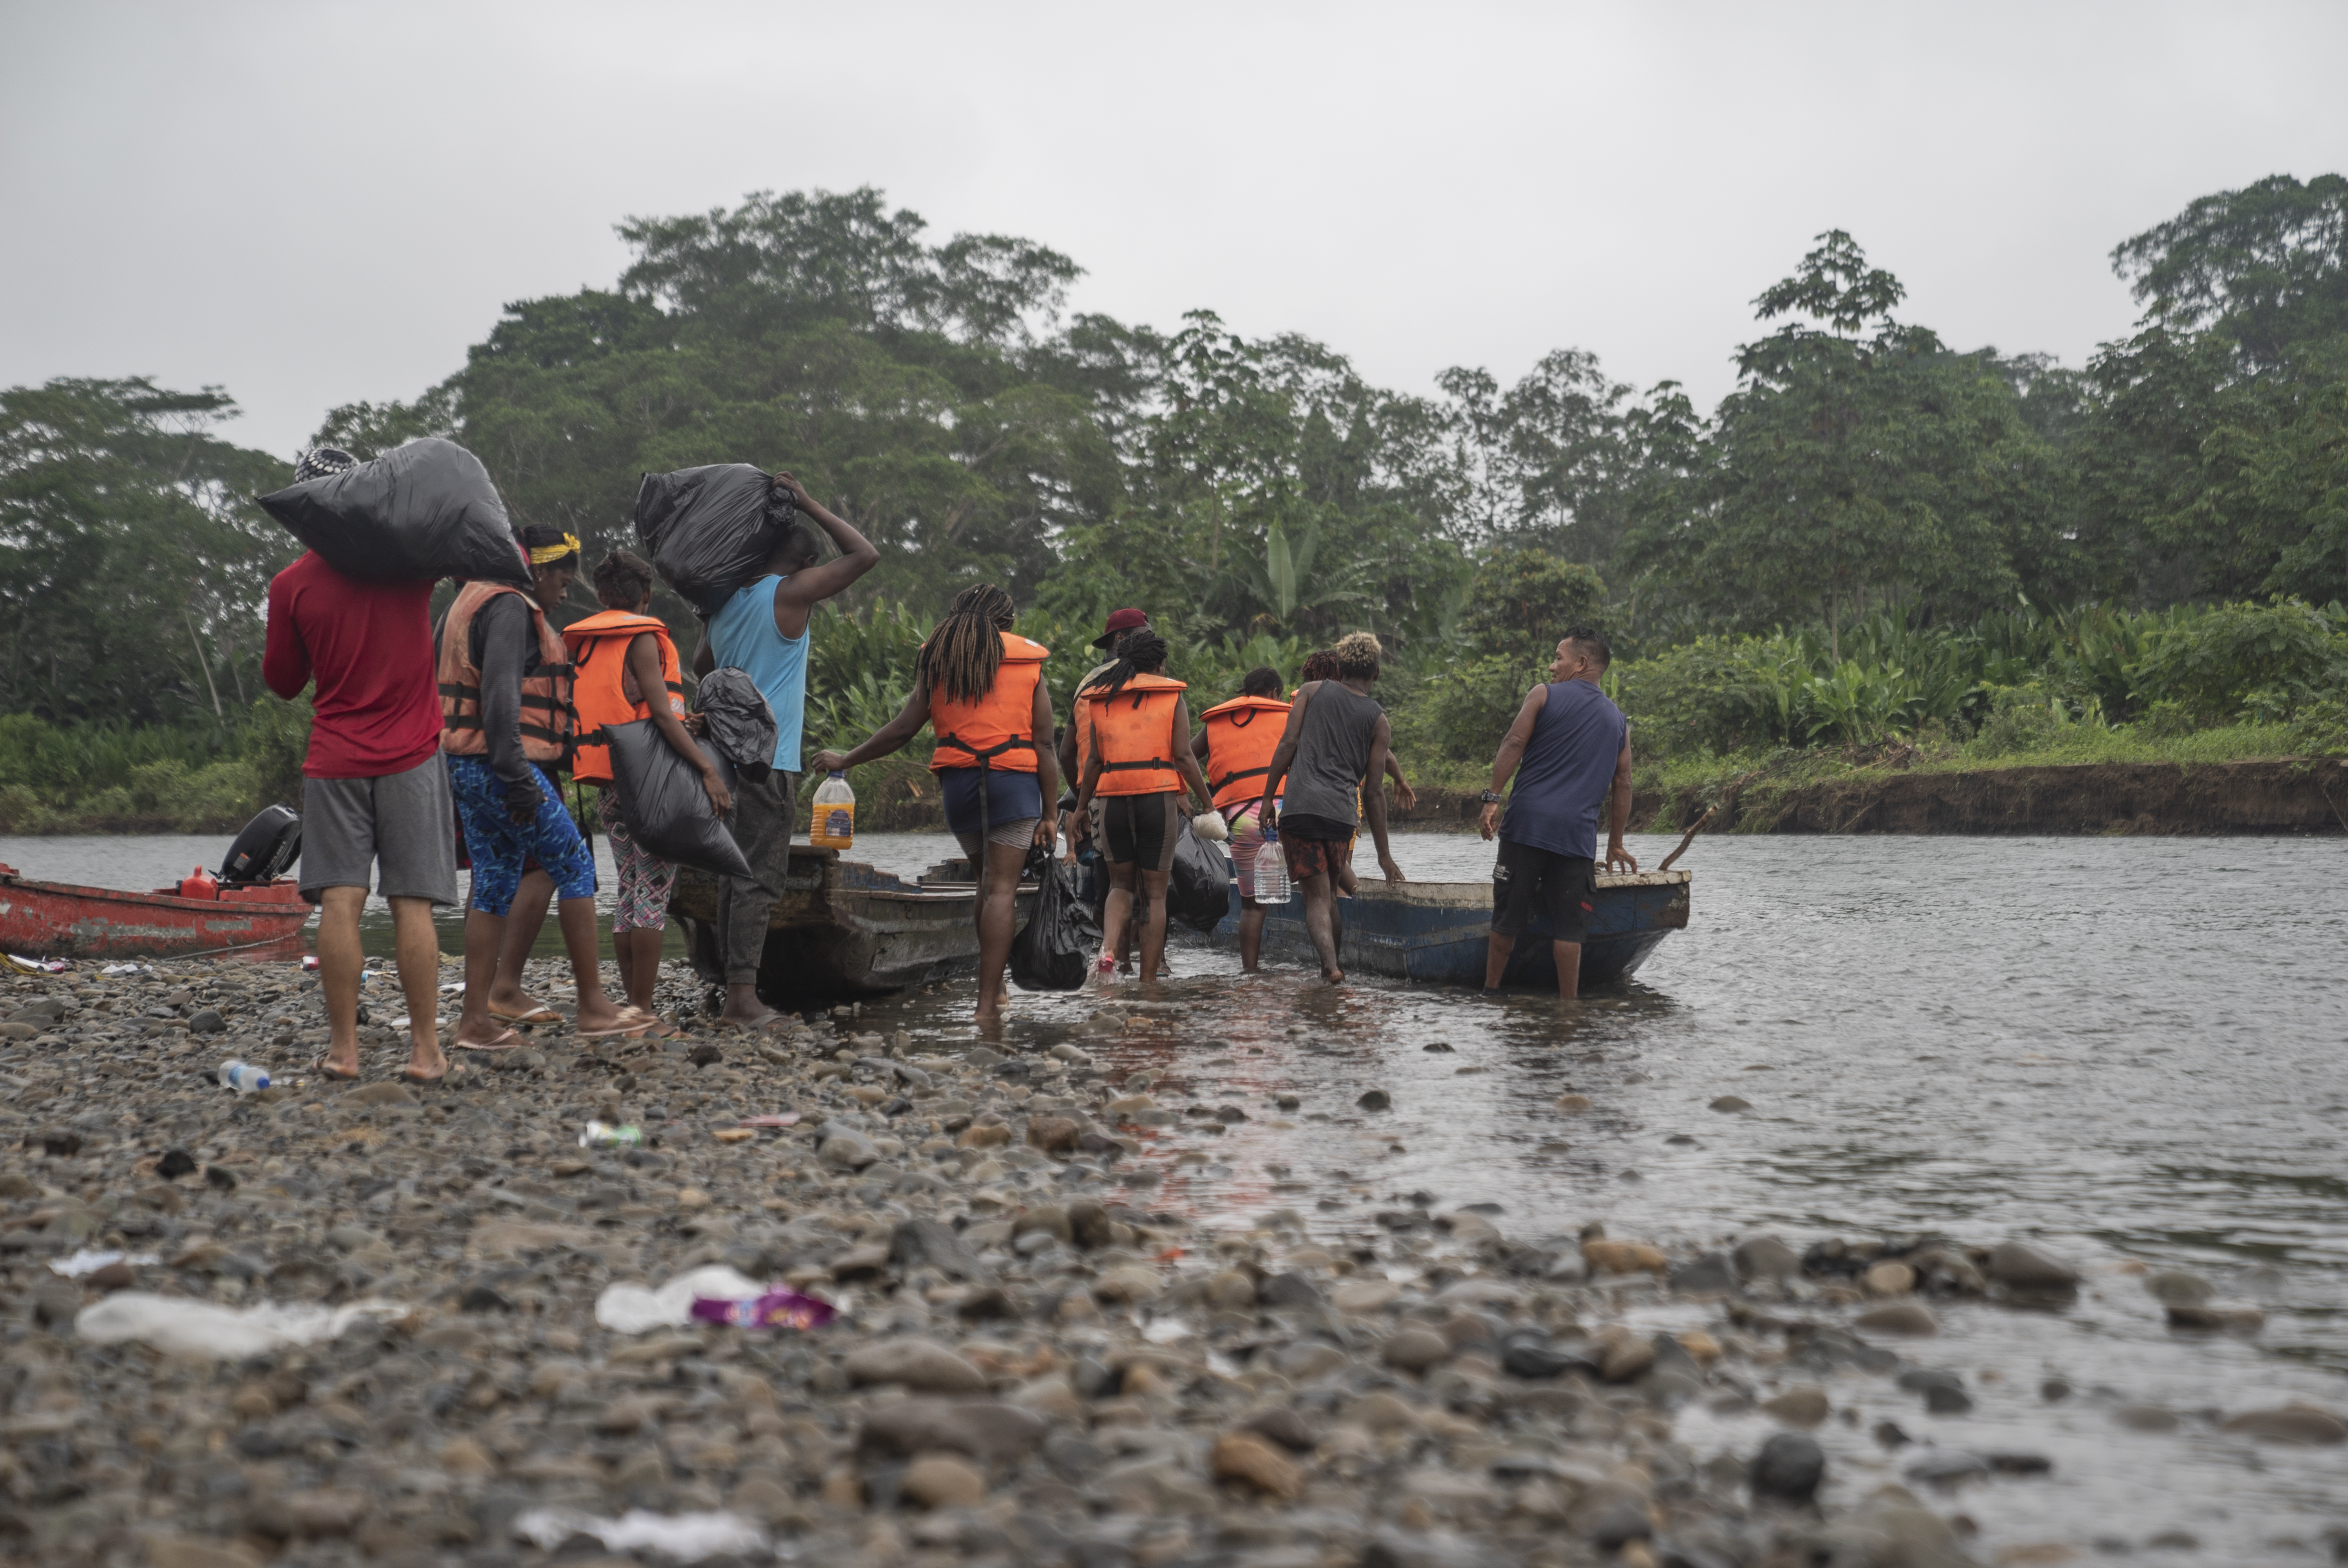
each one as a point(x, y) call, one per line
point(763, 631)
point(1568, 749)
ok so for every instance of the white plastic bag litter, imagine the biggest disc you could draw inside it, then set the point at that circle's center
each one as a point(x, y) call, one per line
point(687, 1537)
point(88, 1262)
point(633, 1308)
point(179, 1327)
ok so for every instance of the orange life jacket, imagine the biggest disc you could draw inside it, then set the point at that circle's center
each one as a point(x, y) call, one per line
point(1241, 735)
point(603, 688)
point(995, 731)
point(1134, 734)
point(547, 719)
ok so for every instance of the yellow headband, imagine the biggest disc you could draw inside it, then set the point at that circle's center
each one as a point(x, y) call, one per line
point(545, 553)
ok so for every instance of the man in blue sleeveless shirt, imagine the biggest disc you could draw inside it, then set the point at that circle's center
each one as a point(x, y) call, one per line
point(763, 630)
point(1569, 748)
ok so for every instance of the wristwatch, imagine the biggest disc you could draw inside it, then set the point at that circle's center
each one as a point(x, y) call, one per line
point(1489, 797)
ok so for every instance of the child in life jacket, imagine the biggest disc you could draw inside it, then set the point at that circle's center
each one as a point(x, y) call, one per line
point(626, 668)
point(1235, 742)
point(1140, 765)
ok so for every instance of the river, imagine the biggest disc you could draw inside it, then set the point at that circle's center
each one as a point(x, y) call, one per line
point(2127, 1052)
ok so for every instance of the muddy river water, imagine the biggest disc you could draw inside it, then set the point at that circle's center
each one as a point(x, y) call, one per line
point(2125, 1052)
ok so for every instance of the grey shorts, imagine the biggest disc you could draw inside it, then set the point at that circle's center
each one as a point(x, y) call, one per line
point(404, 826)
point(1010, 834)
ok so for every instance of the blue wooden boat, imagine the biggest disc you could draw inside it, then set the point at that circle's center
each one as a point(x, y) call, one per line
point(1436, 931)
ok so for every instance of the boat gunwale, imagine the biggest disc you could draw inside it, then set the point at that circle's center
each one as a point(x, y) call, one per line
point(264, 906)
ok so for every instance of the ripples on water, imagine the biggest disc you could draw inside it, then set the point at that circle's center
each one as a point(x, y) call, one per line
point(2125, 1051)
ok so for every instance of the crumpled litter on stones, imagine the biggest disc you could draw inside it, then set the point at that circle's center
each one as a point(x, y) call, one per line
point(688, 1537)
point(180, 1327)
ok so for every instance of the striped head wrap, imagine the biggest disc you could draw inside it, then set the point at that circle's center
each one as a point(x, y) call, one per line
point(320, 462)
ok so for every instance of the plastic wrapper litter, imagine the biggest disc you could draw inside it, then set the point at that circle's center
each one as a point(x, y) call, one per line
point(709, 531)
point(741, 725)
point(1199, 894)
point(1053, 951)
point(418, 512)
point(664, 805)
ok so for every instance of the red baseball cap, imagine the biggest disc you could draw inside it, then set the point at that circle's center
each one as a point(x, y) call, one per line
point(1120, 621)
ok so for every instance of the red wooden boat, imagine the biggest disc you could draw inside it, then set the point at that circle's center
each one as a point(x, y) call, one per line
point(58, 920)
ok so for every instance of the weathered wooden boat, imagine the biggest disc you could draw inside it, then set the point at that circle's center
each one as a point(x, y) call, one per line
point(1436, 931)
point(60, 920)
point(843, 930)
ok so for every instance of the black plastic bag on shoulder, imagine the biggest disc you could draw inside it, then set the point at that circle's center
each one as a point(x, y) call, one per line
point(665, 805)
point(421, 511)
point(709, 531)
point(1199, 894)
point(741, 725)
point(1054, 950)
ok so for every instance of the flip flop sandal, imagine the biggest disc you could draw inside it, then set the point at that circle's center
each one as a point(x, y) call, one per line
point(628, 1029)
point(509, 1041)
point(543, 1015)
point(324, 1070)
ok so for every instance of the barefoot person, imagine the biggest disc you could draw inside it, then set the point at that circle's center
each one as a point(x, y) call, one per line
point(1335, 743)
point(505, 717)
point(373, 794)
point(980, 686)
point(1235, 741)
point(1568, 749)
point(763, 630)
point(1140, 765)
point(626, 671)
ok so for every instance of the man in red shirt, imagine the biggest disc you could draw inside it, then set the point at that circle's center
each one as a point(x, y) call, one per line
point(375, 792)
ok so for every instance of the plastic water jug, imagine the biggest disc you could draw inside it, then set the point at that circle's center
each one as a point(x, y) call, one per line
point(1271, 871)
point(834, 827)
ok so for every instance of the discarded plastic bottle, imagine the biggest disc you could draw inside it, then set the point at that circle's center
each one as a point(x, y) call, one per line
point(834, 827)
point(242, 1077)
point(1271, 870)
point(775, 1309)
point(604, 1135)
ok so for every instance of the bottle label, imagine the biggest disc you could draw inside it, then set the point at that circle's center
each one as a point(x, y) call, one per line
point(839, 822)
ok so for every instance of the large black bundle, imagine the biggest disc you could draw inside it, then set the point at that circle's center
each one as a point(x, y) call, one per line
point(420, 511)
point(1199, 894)
point(741, 725)
point(709, 531)
point(1053, 951)
point(665, 805)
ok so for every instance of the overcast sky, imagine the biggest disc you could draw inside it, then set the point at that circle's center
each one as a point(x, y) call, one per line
point(316, 203)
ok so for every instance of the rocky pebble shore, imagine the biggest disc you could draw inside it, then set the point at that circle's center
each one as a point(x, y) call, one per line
point(385, 1331)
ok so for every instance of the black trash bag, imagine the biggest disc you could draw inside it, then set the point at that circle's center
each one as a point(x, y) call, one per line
point(665, 805)
point(418, 512)
point(1054, 950)
point(742, 726)
point(1199, 894)
point(710, 530)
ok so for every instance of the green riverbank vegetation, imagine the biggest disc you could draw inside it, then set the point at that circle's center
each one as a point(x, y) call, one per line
point(1878, 550)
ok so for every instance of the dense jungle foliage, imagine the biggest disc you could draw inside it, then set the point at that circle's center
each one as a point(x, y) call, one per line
point(1875, 540)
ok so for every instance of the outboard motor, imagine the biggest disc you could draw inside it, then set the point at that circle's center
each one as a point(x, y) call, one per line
point(268, 845)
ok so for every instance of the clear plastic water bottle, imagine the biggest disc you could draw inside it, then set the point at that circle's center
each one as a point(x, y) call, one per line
point(242, 1077)
point(1271, 870)
point(604, 1135)
point(834, 827)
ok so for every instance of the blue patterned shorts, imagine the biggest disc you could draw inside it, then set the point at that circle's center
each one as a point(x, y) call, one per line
point(499, 846)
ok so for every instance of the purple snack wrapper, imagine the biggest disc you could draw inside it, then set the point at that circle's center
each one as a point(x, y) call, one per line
point(775, 1309)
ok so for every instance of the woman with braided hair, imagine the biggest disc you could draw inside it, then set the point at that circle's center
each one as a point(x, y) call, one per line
point(980, 686)
point(1139, 762)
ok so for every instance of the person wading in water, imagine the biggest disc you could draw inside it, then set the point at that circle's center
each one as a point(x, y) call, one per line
point(1569, 748)
point(1334, 744)
point(980, 687)
point(1235, 741)
point(1139, 764)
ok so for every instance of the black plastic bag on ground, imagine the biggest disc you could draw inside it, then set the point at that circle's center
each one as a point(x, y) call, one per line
point(418, 512)
point(741, 725)
point(665, 805)
point(1199, 894)
point(708, 530)
point(1054, 950)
